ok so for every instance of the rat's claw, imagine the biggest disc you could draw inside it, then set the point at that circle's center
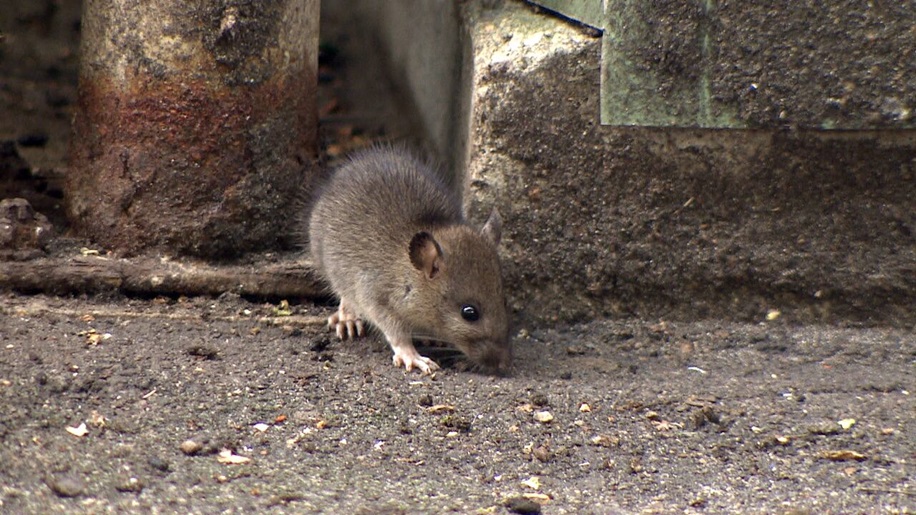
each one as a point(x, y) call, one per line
point(360, 328)
point(410, 359)
point(346, 323)
point(354, 328)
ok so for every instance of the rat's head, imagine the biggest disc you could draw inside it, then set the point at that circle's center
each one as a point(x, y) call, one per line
point(463, 291)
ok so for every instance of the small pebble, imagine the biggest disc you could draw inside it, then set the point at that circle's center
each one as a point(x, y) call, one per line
point(159, 464)
point(129, 484)
point(319, 344)
point(523, 506)
point(542, 454)
point(539, 399)
point(575, 350)
point(66, 486)
point(190, 447)
point(544, 417)
point(203, 351)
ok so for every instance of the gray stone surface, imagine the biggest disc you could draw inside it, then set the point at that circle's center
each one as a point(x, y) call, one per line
point(676, 223)
point(657, 222)
point(834, 65)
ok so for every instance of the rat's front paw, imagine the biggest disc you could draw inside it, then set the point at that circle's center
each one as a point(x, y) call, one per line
point(346, 323)
point(410, 358)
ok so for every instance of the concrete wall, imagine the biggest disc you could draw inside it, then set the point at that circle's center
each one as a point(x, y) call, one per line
point(670, 223)
point(843, 64)
point(678, 223)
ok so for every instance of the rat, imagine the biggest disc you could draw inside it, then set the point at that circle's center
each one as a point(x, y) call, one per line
point(391, 240)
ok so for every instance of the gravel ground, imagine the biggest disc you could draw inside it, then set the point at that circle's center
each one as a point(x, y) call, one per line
point(615, 416)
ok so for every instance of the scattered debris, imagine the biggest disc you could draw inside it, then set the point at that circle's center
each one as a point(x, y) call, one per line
point(21, 227)
point(456, 422)
point(226, 457)
point(605, 441)
point(283, 310)
point(93, 337)
point(847, 423)
point(440, 408)
point(532, 482)
point(843, 455)
point(129, 484)
point(79, 431)
point(203, 351)
point(542, 453)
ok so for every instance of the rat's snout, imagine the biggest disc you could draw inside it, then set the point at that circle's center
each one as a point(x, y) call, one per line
point(496, 359)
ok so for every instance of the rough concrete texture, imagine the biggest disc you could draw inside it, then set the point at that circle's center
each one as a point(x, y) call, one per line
point(839, 65)
point(676, 223)
point(195, 124)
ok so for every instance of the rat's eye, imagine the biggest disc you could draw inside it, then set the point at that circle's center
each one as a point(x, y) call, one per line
point(470, 313)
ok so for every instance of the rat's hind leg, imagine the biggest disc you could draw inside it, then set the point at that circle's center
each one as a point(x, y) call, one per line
point(346, 322)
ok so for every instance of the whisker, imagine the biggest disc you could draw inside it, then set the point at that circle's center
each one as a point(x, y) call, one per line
point(432, 339)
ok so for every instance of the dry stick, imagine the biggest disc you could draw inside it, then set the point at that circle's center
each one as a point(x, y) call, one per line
point(38, 308)
point(88, 274)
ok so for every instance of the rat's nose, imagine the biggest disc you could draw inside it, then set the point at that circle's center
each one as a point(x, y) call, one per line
point(498, 359)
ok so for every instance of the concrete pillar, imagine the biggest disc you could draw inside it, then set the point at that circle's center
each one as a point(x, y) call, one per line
point(196, 123)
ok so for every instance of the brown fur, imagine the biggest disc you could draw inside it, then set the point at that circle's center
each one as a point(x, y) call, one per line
point(367, 238)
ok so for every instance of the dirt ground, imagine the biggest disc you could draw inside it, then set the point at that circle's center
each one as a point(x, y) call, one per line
point(619, 416)
point(222, 405)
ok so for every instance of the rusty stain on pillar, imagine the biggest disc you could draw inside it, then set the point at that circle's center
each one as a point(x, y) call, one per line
point(196, 125)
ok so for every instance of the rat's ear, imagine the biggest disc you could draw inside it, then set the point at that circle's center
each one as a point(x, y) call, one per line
point(493, 229)
point(425, 254)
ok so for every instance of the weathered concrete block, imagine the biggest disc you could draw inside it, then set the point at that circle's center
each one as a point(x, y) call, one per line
point(842, 64)
point(681, 223)
point(675, 223)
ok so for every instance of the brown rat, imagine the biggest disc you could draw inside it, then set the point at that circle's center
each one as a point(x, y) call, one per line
point(392, 242)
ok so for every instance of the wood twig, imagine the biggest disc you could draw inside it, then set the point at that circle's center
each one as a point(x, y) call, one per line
point(34, 308)
point(147, 276)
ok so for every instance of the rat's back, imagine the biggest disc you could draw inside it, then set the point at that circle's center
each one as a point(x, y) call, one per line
point(372, 205)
